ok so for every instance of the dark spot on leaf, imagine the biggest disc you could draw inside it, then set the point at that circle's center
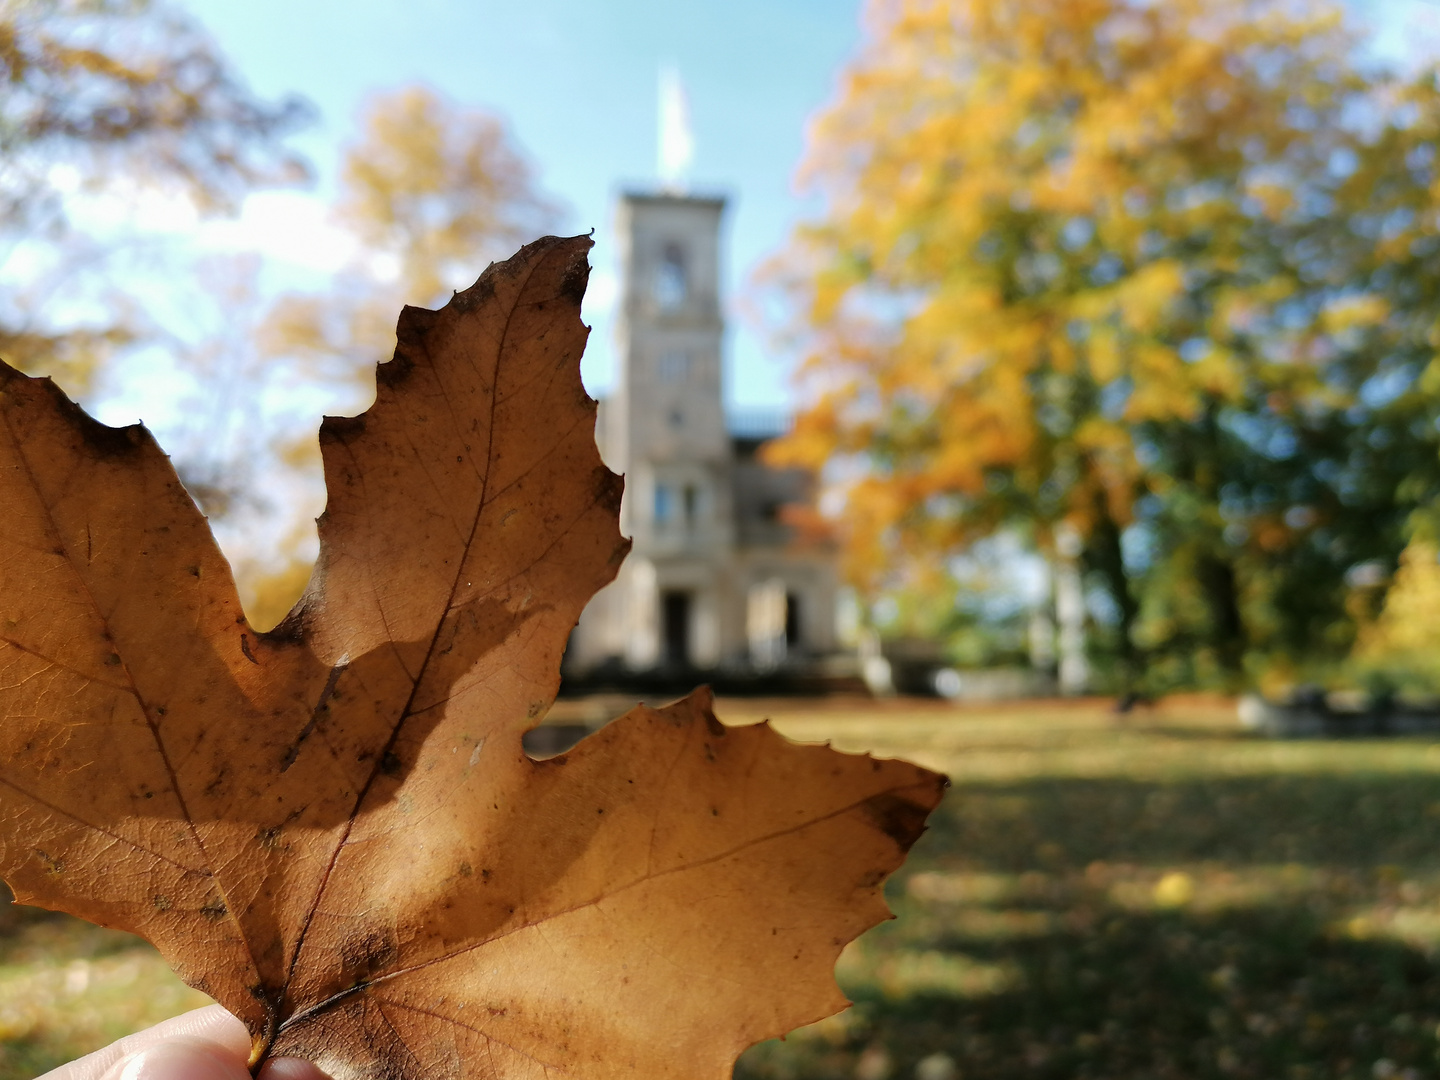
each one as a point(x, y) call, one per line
point(214, 909)
point(713, 725)
point(410, 330)
point(342, 429)
point(609, 488)
point(161, 903)
point(215, 784)
point(390, 763)
point(577, 276)
point(366, 953)
point(897, 818)
point(291, 628)
point(477, 294)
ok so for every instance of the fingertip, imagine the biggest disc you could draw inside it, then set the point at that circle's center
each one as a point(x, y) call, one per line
point(213, 1024)
point(181, 1058)
point(291, 1069)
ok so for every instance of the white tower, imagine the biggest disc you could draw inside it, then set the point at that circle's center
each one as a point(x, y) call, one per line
point(716, 580)
point(666, 430)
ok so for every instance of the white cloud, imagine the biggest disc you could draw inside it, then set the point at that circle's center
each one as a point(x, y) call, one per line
point(124, 208)
point(287, 226)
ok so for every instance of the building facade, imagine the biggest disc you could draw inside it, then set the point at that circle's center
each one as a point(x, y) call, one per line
point(716, 579)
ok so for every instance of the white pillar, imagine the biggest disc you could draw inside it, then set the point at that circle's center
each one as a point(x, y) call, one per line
point(765, 624)
point(705, 629)
point(1074, 670)
point(642, 616)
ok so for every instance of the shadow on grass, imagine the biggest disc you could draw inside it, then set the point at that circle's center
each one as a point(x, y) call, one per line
point(1259, 994)
point(1350, 821)
point(1034, 940)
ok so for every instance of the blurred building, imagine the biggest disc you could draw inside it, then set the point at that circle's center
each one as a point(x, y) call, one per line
point(717, 580)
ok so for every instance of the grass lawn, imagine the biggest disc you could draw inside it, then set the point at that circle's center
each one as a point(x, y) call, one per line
point(1162, 897)
point(1156, 897)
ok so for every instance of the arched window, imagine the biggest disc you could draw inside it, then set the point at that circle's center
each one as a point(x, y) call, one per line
point(671, 284)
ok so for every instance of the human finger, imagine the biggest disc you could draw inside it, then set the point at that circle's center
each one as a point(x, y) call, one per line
point(211, 1024)
point(205, 1044)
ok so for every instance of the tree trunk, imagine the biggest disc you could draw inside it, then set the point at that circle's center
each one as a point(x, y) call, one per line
point(1105, 558)
point(1227, 626)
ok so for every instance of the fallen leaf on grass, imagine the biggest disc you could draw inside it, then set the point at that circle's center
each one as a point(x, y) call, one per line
point(332, 828)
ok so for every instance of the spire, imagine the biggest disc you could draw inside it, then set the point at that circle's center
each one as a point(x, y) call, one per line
point(677, 140)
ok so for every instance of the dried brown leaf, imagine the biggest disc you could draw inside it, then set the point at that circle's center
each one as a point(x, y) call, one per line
point(332, 828)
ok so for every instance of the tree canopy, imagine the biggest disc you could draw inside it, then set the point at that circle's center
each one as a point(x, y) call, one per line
point(1147, 272)
point(117, 96)
point(432, 191)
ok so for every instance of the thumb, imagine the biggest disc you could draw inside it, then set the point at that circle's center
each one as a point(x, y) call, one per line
point(180, 1058)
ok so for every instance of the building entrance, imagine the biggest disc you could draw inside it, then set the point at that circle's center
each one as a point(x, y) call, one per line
point(675, 628)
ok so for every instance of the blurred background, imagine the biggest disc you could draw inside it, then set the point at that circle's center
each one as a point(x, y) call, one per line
point(1045, 390)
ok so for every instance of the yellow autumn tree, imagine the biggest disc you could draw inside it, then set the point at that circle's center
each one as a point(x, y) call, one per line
point(432, 191)
point(1082, 266)
point(1404, 642)
point(120, 97)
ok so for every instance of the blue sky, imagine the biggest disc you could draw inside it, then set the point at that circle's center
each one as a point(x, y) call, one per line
point(576, 79)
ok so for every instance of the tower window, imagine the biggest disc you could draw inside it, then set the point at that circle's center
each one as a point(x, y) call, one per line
point(671, 285)
point(691, 498)
point(664, 503)
point(675, 366)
